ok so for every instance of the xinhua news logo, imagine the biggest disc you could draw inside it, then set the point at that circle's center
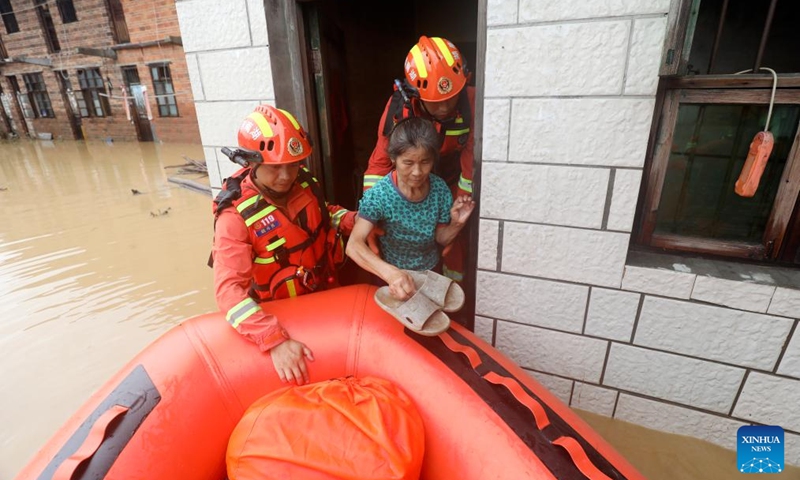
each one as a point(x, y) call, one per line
point(759, 449)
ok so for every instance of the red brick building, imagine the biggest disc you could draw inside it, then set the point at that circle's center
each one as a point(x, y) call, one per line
point(94, 69)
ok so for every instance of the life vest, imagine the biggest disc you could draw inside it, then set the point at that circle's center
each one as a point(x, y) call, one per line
point(289, 258)
point(405, 103)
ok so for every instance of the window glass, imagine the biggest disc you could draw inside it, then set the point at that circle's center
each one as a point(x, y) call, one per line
point(710, 145)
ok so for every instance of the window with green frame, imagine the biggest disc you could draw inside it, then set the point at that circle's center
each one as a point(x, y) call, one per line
point(715, 93)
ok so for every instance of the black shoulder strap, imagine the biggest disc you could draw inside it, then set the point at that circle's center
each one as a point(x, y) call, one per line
point(464, 107)
point(231, 192)
point(305, 176)
point(400, 105)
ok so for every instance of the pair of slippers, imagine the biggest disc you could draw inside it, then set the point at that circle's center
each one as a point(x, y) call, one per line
point(424, 312)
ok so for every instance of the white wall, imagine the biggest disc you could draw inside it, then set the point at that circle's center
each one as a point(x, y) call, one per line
point(229, 66)
point(569, 99)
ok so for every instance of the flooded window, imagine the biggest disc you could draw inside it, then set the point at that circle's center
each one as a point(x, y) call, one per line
point(37, 95)
point(92, 97)
point(165, 92)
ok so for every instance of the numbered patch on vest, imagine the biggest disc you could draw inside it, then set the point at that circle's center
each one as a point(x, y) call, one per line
point(266, 225)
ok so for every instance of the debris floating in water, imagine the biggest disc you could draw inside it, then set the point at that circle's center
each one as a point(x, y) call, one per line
point(160, 212)
point(191, 166)
point(135, 192)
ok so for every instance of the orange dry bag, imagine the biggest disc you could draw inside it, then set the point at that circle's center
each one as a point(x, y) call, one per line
point(345, 428)
point(757, 156)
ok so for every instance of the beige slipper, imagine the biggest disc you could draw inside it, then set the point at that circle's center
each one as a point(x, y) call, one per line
point(441, 290)
point(419, 314)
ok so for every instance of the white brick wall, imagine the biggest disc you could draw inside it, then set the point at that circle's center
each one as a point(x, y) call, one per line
point(786, 302)
point(496, 118)
point(770, 400)
point(229, 68)
point(730, 336)
point(580, 131)
point(683, 421)
point(658, 282)
point(584, 256)
point(688, 381)
point(558, 353)
point(611, 314)
point(509, 194)
point(790, 363)
point(555, 305)
point(484, 328)
point(623, 201)
point(560, 387)
point(213, 25)
point(568, 59)
point(488, 238)
point(594, 399)
point(734, 294)
point(545, 10)
point(641, 76)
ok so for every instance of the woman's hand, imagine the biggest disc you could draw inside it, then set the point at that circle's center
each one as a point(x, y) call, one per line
point(401, 285)
point(289, 359)
point(461, 209)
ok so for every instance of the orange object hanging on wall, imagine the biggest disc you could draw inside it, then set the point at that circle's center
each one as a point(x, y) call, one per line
point(760, 150)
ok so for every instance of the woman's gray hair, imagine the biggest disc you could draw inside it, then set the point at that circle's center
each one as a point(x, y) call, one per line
point(414, 132)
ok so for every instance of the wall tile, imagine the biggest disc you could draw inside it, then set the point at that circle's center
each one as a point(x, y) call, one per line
point(569, 59)
point(536, 302)
point(561, 195)
point(611, 131)
point(558, 353)
point(715, 333)
point(571, 254)
point(696, 383)
point(612, 314)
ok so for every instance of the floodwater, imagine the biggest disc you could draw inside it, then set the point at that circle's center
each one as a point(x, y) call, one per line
point(91, 272)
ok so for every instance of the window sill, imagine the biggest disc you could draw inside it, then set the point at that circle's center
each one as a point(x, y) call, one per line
point(773, 290)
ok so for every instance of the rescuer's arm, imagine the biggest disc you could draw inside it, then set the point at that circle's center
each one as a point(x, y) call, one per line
point(379, 163)
point(468, 154)
point(233, 265)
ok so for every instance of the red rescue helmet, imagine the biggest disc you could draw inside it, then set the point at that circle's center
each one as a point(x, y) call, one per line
point(273, 136)
point(435, 67)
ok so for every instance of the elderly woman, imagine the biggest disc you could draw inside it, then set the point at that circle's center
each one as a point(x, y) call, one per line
point(415, 208)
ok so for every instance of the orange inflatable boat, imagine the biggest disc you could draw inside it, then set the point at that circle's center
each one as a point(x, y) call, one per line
point(169, 413)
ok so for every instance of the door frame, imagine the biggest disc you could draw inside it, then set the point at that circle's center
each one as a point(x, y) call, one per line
point(289, 61)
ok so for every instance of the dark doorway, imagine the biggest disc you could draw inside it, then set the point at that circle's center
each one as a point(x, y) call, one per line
point(355, 49)
point(136, 105)
point(18, 98)
point(70, 104)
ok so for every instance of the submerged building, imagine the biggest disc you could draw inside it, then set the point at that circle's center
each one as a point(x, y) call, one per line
point(95, 69)
point(612, 257)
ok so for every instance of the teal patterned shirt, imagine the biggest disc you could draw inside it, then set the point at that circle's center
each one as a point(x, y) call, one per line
point(410, 240)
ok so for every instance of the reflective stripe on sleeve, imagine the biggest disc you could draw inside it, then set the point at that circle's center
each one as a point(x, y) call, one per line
point(292, 290)
point(371, 180)
point(457, 132)
point(452, 274)
point(336, 218)
point(464, 184)
point(242, 311)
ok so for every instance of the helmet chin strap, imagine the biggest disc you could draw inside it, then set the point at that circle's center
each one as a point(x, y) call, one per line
point(275, 195)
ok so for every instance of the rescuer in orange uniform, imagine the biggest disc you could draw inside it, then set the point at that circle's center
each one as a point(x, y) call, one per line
point(435, 88)
point(274, 235)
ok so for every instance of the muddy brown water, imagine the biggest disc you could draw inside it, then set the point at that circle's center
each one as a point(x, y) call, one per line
point(90, 273)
